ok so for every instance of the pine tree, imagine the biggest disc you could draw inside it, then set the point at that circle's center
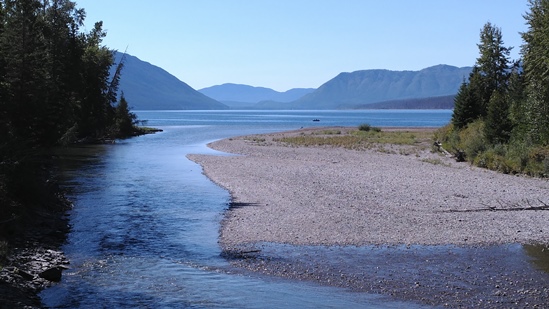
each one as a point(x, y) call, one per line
point(517, 99)
point(498, 126)
point(490, 74)
point(535, 53)
point(63, 21)
point(465, 110)
point(493, 64)
point(125, 120)
point(22, 46)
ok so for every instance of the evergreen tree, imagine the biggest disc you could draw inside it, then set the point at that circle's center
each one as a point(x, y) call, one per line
point(55, 86)
point(465, 110)
point(63, 21)
point(490, 74)
point(535, 53)
point(22, 46)
point(125, 120)
point(493, 64)
point(95, 109)
point(517, 98)
point(498, 126)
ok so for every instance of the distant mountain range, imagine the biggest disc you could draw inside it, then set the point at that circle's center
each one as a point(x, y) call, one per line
point(352, 90)
point(236, 95)
point(148, 87)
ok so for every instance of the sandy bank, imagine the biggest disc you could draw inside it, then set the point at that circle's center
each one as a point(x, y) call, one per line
point(333, 196)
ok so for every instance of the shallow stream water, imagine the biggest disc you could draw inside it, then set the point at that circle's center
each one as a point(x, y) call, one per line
point(145, 222)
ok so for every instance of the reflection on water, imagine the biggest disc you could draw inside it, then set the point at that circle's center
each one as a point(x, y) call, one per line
point(462, 276)
point(539, 256)
point(145, 223)
point(144, 233)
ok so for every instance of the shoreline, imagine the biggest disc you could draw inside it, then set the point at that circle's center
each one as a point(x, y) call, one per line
point(335, 196)
point(35, 260)
point(455, 231)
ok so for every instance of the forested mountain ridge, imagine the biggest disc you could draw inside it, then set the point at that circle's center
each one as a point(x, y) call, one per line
point(348, 90)
point(441, 102)
point(149, 87)
point(228, 93)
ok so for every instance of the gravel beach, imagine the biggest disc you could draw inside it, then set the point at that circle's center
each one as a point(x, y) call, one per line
point(327, 197)
point(335, 196)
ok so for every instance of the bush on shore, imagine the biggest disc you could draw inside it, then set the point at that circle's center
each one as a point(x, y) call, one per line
point(515, 157)
point(366, 128)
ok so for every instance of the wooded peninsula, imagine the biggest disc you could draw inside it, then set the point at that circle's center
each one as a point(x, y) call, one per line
point(56, 88)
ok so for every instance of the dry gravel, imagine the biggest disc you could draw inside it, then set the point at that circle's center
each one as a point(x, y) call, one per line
point(334, 196)
point(419, 227)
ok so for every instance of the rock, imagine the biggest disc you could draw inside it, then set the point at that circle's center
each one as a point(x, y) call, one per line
point(52, 274)
point(24, 274)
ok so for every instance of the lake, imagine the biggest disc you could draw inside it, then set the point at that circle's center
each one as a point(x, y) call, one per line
point(145, 222)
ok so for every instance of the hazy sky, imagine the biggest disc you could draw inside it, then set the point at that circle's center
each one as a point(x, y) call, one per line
point(283, 44)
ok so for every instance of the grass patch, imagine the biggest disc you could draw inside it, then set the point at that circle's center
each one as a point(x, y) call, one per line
point(328, 132)
point(257, 140)
point(435, 162)
point(360, 139)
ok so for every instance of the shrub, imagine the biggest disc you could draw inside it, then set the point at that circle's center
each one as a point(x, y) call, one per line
point(472, 140)
point(494, 160)
point(448, 136)
point(366, 127)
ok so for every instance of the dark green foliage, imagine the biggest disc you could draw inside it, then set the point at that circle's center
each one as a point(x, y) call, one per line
point(498, 126)
point(493, 63)
point(517, 96)
point(54, 76)
point(506, 126)
point(125, 120)
point(466, 108)
point(367, 127)
point(490, 74)
point(55, 88)
point(535, 53)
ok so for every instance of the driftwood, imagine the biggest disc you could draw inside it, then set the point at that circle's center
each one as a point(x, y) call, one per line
point(515, 207)
point(459, 155)
point(240, 254)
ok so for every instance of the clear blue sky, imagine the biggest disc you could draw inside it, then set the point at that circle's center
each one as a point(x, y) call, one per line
point(283, 44)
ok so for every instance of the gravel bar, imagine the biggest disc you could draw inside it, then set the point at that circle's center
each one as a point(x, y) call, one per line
point(335, 196)
point(418, 227)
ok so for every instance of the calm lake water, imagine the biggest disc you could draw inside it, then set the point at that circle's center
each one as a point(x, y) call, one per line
point(145, 221)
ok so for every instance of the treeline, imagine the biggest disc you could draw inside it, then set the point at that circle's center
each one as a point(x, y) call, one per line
point(440, 102)
point(55, 89)
point(501, 113)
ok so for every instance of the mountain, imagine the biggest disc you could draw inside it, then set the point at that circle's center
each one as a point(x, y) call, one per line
point(348, 90)
point(243, 95)
point(443, 102)
point(148, 87)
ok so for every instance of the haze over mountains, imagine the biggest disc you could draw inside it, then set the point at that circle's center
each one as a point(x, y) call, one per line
point(235, 95)
point(147, 87)
point(349, 90)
